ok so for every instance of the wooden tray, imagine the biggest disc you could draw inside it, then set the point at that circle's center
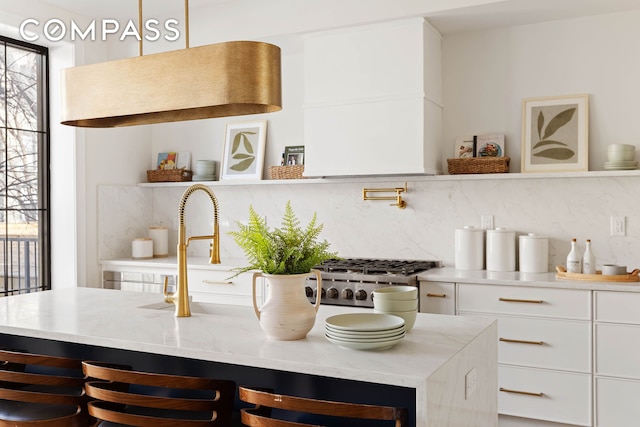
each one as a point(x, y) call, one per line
point(598, 277)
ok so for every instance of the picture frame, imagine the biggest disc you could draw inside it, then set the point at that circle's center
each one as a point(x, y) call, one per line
point(555, 134)
point(294, 155)
point(244, 150)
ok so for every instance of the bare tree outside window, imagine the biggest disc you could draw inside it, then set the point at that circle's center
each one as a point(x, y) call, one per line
point(24, 154)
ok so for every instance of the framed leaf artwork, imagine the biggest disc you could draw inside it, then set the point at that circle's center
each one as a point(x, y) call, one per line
point(244, 148)
point(555, 134)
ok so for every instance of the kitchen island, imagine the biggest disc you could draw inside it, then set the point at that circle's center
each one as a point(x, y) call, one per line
point(444, 371)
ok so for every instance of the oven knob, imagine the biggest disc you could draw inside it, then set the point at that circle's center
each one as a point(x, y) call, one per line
point(347, 293)
point(332, 293)
point(308, 291)
point(361, 295)
point(322, 292)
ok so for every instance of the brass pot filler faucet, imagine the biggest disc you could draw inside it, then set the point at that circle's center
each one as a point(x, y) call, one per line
point(181, 295)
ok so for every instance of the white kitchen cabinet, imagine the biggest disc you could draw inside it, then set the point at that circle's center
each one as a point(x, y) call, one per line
point(616, 402)
point(437, 298)
point(205, 284)
point(373, 100)
point(555, 396)
point(617, 352)
point(544, 348)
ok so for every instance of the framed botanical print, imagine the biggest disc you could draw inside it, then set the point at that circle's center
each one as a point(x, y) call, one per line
point(555, 134)
point(244, 148)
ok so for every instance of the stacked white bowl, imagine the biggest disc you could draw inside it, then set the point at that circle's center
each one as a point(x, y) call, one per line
point(397, 300)
point(621, 157)
point(205, 170)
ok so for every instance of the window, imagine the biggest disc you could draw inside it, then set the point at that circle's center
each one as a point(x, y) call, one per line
point(24, 168)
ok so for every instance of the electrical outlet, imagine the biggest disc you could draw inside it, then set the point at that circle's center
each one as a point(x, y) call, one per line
point(618, 226)
point(487, 222)
point(470, 383)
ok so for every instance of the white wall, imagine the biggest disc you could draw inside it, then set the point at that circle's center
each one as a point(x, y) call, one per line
point(486, 75)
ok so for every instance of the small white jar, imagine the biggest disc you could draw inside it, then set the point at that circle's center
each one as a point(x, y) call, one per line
point(142, 248)
point(534, 253)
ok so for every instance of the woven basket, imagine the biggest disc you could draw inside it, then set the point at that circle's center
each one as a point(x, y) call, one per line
point(478, 165)
point(169, 175)
point(286, 172)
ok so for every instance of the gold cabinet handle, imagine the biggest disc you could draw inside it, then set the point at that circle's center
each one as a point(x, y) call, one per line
point(217, 282)
point(521, 341)
point(436, 295)
point(528, 393)
point(530, 301)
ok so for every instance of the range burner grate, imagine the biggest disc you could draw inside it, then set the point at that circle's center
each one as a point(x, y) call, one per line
point(375, 266)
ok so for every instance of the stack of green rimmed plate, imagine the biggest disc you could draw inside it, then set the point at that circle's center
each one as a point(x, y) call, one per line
point(365, 331)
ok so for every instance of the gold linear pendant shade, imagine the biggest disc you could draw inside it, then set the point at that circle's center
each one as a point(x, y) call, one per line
point(219, 80)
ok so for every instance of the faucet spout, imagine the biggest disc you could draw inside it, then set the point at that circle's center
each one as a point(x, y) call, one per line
point(180, 297)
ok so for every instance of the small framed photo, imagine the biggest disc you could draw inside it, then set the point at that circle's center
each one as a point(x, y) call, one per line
point(555, 134)
point(244, 148)
point(491, 145)
point(464, 147)
point(294, 155)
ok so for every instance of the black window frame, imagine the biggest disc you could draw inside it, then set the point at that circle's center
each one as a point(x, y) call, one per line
point(43, 268)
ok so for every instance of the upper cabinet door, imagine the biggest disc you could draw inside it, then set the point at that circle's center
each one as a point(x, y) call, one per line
point(373, 100)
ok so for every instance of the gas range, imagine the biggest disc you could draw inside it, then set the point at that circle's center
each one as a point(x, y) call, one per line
point(352, 281)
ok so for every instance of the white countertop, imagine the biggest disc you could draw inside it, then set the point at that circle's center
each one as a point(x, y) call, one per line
point(516, 278)
point(171, 262)
point(232, 334)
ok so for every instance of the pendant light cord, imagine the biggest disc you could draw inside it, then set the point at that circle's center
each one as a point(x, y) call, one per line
point(140, 24)
point(186, 23)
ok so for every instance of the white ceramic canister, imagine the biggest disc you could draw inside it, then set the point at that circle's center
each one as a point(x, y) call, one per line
point(160, 237)
point(142, 248)
point(469, 248)
point(534, 253)
point(501, 250)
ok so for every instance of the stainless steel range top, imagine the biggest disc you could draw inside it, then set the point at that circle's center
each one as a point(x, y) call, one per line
point(352, 281)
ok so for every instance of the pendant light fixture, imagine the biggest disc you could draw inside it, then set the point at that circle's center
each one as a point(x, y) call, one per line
point(219, 80)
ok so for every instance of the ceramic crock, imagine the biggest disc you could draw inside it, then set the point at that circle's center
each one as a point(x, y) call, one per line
point(287, 315)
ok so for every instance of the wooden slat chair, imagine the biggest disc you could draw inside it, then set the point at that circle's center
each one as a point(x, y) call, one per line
point(41, 391)
point(120, 396)
point(265, 401)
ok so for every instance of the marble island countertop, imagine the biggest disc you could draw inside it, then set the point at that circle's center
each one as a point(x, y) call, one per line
point(230, 334)
point(432, 359)
point(516, 278)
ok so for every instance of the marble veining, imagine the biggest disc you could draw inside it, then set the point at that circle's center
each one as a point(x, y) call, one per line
point(436, 354)
point(560, 208)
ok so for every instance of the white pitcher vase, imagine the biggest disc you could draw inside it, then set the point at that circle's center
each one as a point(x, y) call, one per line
point(287, 315)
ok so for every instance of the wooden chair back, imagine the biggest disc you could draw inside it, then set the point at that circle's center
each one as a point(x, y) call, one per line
point(38, 390)
point(260, 415)
point(143, 399)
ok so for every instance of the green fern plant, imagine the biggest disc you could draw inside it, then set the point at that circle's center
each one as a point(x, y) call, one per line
point(289, 249)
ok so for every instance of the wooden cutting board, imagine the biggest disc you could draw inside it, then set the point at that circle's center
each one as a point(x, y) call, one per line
point(598, 277)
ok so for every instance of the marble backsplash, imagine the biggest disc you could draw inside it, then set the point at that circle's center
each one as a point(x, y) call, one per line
point(558, 207)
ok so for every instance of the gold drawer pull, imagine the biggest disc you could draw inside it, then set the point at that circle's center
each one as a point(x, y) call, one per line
point(528, 393)
point(217, 282)
point(521, 341)
point(530, 301)
point(436, 295)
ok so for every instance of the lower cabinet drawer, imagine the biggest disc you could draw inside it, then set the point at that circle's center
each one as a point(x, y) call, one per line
point(616, 351)
point(525, 301)
point(220, 282)
point(437, 298)
point(544, 343)
point(617, 402)
point(561, 397)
